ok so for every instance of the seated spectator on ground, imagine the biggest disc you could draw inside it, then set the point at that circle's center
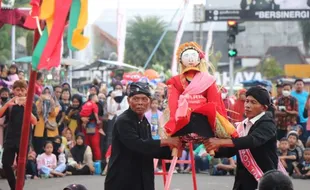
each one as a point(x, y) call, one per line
point(220, 167)
point(80, 162)
point(292, 141)
point(201, 159)
point(297, 128)
point(31, 166)
point(302, 169)
point(58, 151)
point(70, 140)
point(286, 156)
point(185, 157)
point(275, 180)
point(47, 162)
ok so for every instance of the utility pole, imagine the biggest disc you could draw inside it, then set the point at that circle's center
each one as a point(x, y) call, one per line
point(199, 18)
point(233, 29)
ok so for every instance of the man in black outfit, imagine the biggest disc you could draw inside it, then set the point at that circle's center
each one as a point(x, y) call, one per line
point(13, 111)
point(133, 149)
point(257, 136)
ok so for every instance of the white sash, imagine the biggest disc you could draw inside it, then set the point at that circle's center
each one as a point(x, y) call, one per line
point(248, 160)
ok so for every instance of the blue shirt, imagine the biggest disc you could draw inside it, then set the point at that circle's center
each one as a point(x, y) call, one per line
point(154, 126)
point(302, 99)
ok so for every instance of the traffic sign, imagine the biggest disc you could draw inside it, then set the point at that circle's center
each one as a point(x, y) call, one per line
point(257, 15)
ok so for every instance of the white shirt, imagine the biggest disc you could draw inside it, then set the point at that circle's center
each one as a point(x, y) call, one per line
point(112, 107)
point(249, 123)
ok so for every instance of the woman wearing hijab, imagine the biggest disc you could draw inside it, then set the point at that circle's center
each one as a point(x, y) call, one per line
point(72, 114)
point(46, 128)
point(80, 162)
point(64, 102)
point(58, 150)
point(116, 104)
point(66, 85)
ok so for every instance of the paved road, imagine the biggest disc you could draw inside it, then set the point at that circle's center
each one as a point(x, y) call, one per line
point(179, 182)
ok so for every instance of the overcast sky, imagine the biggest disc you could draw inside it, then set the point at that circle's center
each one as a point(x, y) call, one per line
point(137, 4)
point(96, 7)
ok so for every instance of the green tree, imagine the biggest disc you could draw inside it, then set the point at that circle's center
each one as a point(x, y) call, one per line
point(143, 34)
point(305, 30)
point(29, 43)
point(5, 35)
point(270, 68)
point(5, 44)
point(162, 71)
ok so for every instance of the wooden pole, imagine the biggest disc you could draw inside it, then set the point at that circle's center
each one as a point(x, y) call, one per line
point(24, 139)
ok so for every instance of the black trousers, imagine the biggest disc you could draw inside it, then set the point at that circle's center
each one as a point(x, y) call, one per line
point(83, 171)
point(31, 168)
point(7, 162)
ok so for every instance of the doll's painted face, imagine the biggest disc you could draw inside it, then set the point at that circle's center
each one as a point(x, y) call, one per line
point(190, 58)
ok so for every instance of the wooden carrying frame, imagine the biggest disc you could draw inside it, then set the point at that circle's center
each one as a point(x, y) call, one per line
point(167, 176)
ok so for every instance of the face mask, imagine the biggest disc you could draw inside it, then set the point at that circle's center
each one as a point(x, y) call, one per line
point(118, 93)
point(4, 99)
point(224, 95)
point(286, 93)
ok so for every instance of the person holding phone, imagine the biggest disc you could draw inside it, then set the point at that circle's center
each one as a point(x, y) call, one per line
point(287, 111)
point(47, 127)
point(116, 104)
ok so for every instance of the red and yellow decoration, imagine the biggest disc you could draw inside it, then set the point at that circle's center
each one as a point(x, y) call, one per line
point(47, 53)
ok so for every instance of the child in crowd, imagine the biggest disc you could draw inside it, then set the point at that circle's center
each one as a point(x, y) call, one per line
point(302, 169)
point(286, 157)
point(31, 167)
point(47, 162)
point(153, 116)
point(293, 140)
point(12, 75)
point(90, 107)
point(297, 128)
